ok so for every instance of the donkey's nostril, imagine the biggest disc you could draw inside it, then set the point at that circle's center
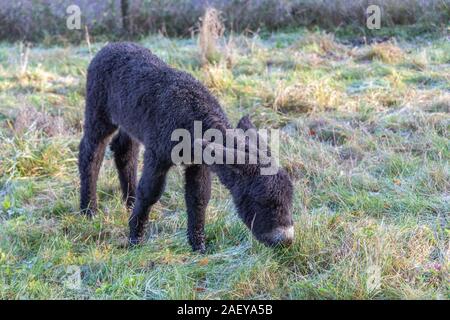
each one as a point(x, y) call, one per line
point(286, 242)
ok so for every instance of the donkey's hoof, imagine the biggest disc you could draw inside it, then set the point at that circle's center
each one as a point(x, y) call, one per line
point(134, 242)
point(201, 248)
point(89, 213)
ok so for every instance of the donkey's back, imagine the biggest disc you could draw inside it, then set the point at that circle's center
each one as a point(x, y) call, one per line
point(135, 90)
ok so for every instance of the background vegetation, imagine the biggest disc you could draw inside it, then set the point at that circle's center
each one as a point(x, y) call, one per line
point(45, 20)
point(365, 136)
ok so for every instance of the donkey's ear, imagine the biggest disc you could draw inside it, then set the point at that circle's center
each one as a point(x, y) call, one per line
point(245, 123)
point(234, 154)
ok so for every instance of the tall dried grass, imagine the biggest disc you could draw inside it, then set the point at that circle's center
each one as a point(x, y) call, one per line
point(210, 31)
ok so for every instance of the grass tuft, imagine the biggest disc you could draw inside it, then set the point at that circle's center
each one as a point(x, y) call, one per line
point(210, 31)
point(387, 52)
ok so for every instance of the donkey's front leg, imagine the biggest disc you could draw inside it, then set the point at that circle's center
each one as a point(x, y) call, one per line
point(198, 192)
point(150, 189)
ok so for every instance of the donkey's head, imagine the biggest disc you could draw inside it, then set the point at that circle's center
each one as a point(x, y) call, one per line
point(264, 202)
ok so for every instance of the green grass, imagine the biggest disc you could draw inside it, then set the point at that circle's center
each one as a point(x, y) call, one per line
point(365, 139)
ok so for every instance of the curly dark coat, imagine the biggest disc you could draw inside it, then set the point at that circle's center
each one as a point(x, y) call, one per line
point(130, 89)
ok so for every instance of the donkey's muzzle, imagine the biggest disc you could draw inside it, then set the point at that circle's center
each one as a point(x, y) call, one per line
point(283, 236)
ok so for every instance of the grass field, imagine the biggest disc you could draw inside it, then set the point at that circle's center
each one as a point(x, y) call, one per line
point(365, 136)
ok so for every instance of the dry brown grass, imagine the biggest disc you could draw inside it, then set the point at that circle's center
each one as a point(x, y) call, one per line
point(306, 97)
point(210, 31)
point(322, 43)
point(29, 118)
point(387, 52)
point(24, 57)
point(218, 77)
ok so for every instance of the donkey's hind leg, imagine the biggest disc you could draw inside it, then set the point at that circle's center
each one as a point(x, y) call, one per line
point(92, 151)
point(149, 190)
point(126, 152)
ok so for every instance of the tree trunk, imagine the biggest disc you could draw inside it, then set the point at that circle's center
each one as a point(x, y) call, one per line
point(125, 7)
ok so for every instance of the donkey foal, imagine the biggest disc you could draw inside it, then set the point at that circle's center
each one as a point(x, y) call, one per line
point(133, 92)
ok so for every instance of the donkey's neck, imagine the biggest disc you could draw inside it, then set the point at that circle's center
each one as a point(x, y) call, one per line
point(216, 118)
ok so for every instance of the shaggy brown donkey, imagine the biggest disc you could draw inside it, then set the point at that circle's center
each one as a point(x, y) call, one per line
point(131, 90)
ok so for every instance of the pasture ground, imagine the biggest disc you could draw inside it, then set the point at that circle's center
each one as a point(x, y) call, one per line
point(365, 136)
